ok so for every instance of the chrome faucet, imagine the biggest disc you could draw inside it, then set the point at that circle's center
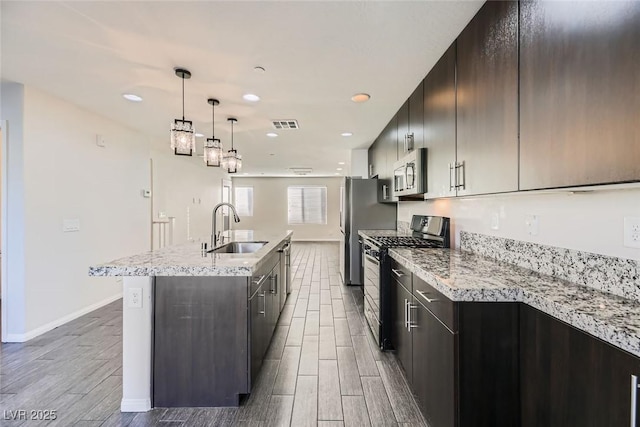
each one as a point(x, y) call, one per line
point(214, 229)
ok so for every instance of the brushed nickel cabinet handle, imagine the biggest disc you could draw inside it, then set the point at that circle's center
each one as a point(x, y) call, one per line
point(398, 273)
point(634, 400)
point(423, 295)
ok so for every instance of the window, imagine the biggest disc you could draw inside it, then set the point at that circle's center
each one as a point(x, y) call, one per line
point(244, 201)
point(307, 205)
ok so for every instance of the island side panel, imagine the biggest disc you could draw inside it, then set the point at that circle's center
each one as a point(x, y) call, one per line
point(136, 346)
point(200, 341)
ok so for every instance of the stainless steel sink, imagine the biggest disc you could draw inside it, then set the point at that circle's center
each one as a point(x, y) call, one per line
point(239, 248)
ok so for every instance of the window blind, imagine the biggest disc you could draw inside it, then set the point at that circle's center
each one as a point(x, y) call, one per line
point(244, 201)
point(307, 205)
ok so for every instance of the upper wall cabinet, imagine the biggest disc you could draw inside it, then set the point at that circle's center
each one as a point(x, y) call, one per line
point(440, 125)
point(579, 93)
point(389, 141)
point(487, 101)
point(411, 123)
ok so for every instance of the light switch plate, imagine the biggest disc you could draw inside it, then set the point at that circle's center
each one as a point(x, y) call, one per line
point(632, 232)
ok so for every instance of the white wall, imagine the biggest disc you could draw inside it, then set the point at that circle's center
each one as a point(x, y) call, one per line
point(66, 175)
point(586, 221)
point(187, 190)
point(14, 314)
point(270, 207)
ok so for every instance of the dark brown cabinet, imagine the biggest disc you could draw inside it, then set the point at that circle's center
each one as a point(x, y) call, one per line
point(411, 123)
point(433, 376)
point(440, 125)
point(579, 93)
point(570, 378)
point(402, 338)
point(487, 101)
point(460, 359)
point(382, 154)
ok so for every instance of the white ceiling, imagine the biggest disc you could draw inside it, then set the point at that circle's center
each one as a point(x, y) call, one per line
point(317, 54)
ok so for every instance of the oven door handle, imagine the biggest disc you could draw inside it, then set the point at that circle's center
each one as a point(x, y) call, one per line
point(372, 259)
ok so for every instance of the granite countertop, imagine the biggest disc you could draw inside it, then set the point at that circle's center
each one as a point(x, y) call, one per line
point(188, 260)
point(464, 276)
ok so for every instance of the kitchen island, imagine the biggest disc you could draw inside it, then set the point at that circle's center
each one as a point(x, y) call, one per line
point(196, 324)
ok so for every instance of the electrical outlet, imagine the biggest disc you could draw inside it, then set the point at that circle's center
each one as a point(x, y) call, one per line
point(533, 224)
point(135, 298)
point(632, 232)
point(495, 221)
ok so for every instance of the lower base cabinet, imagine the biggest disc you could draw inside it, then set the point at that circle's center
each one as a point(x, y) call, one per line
point(570, 378)
point(460, 358)
point(506, 364)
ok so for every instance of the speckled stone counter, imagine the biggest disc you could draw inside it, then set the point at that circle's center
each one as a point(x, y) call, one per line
point(188, 259)
point(463, 276)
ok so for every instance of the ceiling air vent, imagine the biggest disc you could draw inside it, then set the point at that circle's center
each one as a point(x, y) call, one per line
point(285, 124)
point(301, 171)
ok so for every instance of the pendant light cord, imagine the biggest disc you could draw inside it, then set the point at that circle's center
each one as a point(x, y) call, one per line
point(183, 98)
point(232, 134)
point(213, 121)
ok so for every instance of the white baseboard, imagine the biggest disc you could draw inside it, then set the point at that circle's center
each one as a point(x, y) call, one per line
point(61, 321)
point(135, 405)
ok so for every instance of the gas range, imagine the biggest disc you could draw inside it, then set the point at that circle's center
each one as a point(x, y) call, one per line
point(426, 232)
point(407, 242)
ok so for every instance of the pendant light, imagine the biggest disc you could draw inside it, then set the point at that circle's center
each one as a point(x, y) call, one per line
point(232, 161)
point(213, 146)
point(183, 134)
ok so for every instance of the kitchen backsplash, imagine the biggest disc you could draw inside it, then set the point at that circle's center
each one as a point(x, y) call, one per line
point(404, 226)
point(618, 276)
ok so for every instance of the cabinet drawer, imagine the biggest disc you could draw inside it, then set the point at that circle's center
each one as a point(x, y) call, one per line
point(441, 306)
point(401, 274)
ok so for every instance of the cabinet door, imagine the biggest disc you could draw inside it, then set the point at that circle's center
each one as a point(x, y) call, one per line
point(402, 130)
point(389, 147)
point(371, 154)
point(416, 116)
point(570, 378)
point(579, 93)
point(401, 337)
point(258, 309)
point(433, 367)
point(440, 124)
point(487, 100)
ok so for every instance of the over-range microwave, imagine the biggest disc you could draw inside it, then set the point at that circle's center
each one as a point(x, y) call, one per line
point(410, 175)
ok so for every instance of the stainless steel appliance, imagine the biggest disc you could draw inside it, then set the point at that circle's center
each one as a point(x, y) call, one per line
point(410, 175)
point(426, 232)
point(360, 210)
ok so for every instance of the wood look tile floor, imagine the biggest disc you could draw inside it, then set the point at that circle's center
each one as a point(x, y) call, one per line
point(322, 368)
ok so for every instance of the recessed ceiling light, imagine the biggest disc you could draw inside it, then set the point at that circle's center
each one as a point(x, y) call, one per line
point(336, 173)
point(259, 69)
point(360, 97)
point(341, 163)
point(131, 97)
point(246, 173)
point(272, 154)
point(272, 134)
point(251, 97)
point(338, 169)
point(346, 134)
point(199, 135)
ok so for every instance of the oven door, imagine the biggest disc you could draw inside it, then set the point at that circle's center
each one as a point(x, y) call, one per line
point(372, 293)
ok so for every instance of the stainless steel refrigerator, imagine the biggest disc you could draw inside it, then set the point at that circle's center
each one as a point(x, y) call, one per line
point(360, 210)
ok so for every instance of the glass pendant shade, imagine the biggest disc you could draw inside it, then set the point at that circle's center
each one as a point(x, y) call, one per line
point(213, 152)
point(183, 134)
point(231, 161)
point(183, 137)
